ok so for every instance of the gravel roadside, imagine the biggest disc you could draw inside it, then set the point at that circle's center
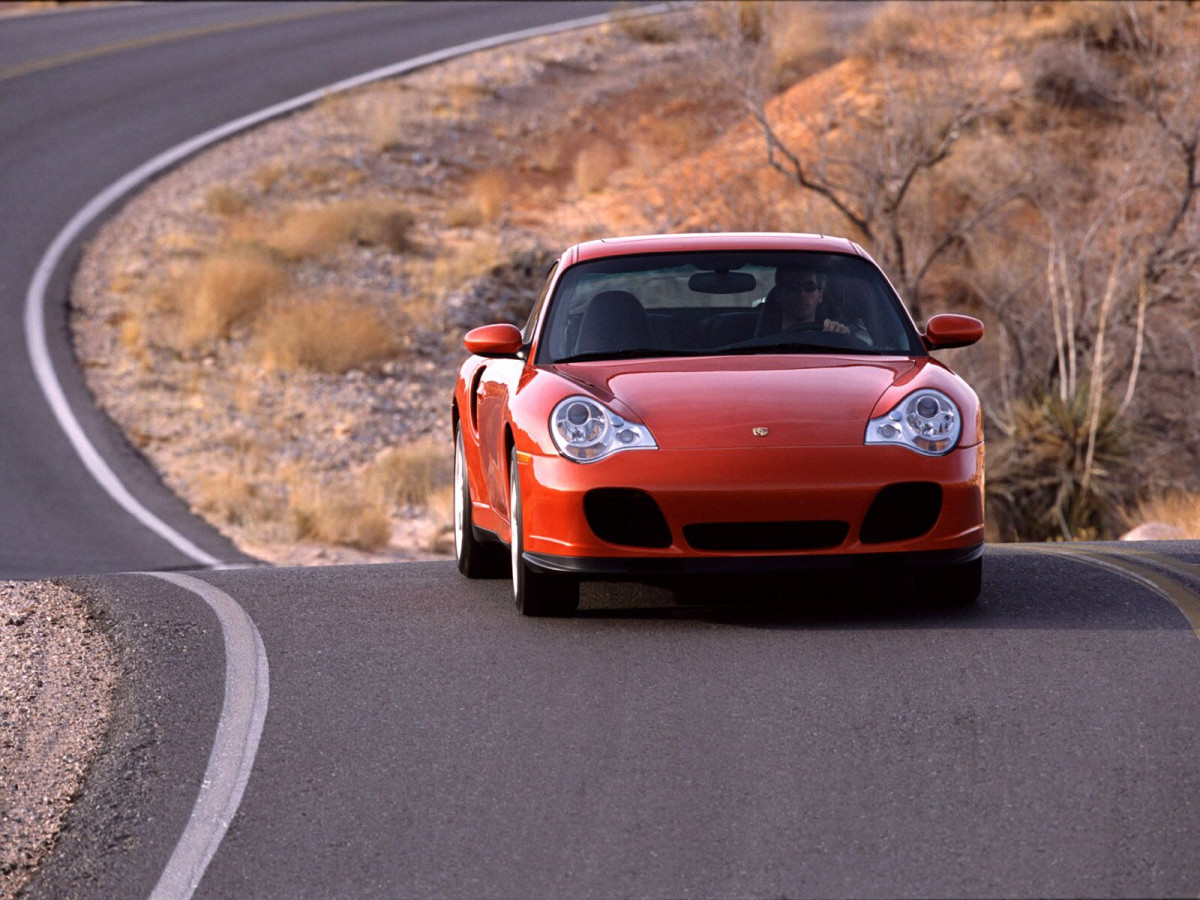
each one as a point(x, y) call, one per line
point(60, 673)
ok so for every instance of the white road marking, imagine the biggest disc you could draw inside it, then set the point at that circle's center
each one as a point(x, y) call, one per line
point(35, 297)
point(243, 712)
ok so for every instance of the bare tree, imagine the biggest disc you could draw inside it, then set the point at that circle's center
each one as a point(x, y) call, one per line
point(874, 157)
point(1119, 258)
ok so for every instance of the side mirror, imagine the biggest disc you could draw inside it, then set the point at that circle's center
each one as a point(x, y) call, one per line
point(494, 340)
point(950, 330)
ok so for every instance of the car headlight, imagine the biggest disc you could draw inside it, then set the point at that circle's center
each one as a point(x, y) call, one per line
point(926, 421)
point(586, 431)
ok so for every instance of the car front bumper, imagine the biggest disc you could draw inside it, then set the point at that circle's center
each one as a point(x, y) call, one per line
point(618, 568)
point(746, 486)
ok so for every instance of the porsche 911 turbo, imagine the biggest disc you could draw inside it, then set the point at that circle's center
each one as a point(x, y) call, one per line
point(717, 403)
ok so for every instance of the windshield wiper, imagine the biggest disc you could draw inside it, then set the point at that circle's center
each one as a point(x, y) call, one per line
point(793, 347)
point(788, 347)
point(639, 353)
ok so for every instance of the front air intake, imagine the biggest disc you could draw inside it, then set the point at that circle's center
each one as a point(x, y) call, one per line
point(764, 537)
point(626, 517)
point(901, 512)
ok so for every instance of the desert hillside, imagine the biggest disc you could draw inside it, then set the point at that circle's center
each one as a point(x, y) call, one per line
point(277, 324)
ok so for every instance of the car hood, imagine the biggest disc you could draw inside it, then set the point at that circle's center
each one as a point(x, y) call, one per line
point(719, 402)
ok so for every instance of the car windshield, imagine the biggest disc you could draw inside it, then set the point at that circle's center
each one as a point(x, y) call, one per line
point(717, 303)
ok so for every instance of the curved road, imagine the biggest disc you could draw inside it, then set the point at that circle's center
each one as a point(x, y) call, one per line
point(421, 739)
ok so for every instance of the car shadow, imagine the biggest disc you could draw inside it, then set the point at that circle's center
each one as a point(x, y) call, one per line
point(771, 602)
point(1022, 590)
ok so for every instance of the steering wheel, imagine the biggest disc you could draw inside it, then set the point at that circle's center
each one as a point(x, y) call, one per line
point(805, 326)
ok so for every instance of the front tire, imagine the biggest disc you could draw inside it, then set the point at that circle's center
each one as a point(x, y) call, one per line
point(476, 558)
point(535, 593)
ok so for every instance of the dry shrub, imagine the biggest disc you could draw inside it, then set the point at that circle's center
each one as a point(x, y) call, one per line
point(230, 497)
point(380, 119)
point(642, 28)
point(123, 282)
point(1098, 23)
point(594, 164)
point(314, 232)
point(796, 41)
point(317, 177)
point(1074, 78)
point(486, 200)
point(545, 157)
point(342, 514)
point(451, 270)
point(133, 339)
point(223, 200)
point(1038, 485)
point(229, 287)
point(441, 505)
point(384, 224)
point(411, 474)
point(1175, 509)
point(266, 177)
point(179, 243)
point(330, 334)
point(739, 19)
point(894, 25)
point(463, 98)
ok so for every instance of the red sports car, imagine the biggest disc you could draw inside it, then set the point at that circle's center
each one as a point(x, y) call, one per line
point(716, 403)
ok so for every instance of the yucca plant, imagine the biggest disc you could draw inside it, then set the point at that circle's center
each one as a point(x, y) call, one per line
point(1041, 484)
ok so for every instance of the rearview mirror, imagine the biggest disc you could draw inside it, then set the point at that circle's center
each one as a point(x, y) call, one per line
point(951, 330)
point(494, 340)
point(722, 282)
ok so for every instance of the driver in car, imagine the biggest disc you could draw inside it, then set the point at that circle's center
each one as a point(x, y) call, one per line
point(797, 293)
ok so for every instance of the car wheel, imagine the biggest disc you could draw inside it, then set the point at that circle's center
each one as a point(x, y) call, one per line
point(535, 593)
point(954, 585)
point(476, 558)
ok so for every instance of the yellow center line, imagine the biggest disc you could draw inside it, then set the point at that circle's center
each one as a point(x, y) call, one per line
point(1185, 599)
point(64, 59)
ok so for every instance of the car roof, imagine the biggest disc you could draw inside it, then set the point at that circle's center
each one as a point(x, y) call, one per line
point(674, 243)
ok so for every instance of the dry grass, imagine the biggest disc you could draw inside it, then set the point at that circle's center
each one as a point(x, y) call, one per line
point(893, 27)
point(797, 40)
point(267, 176)
point(594, 164)
point(223, 200)
point(1176, 509)
point(486, 201)
point(308, 233)
point(381, 121)
point(330, 334)
point(229, 287)
point(545, 157)
point(233, 498)
point(179, 243)
point(123, 282)
point(133, 339)
point(412, 474)
point(1097, 22)
point(644, 29)
point(339, 515)
point(464, 98)
point(742, 19)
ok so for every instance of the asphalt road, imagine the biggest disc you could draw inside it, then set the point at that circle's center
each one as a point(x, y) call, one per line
point(421, 739)
point(424, 740)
